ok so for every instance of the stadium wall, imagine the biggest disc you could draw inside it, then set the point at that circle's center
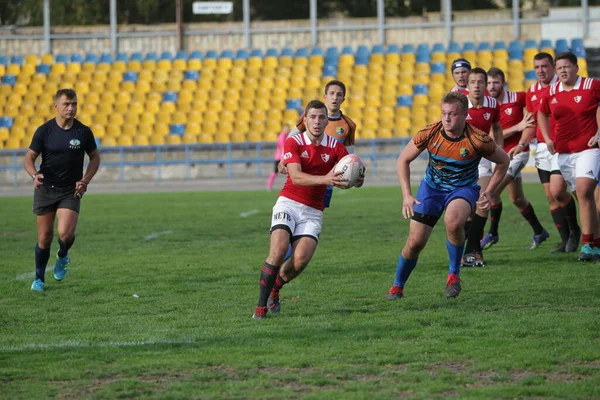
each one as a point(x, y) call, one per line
point(163, 37)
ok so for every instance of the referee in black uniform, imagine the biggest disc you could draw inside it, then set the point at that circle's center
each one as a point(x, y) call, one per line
point(60, 183)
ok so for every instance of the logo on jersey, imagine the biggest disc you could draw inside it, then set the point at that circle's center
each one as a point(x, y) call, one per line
point(508, 111)
point(74, 144)
point(487, 116)
point(464, 152)
point(304, 154)
point(339, 131)
point(554, 101)
point(577, 99)
point(287, 156)
point(533, 98)
point(325, 157)
point(468, 117)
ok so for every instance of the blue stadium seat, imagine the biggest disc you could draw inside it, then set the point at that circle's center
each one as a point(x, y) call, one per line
point(130, 76)
point(106, 58)
point(423, 55)
point(293, 104)
point(484, 46)
point(377, 49)
point(151, 56)
point(226, 54)
point(122, 57)
point(561, 45)
point(177, 129)
point(43, 69)
point(271, 52)
point(191, 75)
point(9, 80)
point(515, 45)
point(546, 44)
point(20, 60)
point(196, 55)
point(316, 51)
point(438, 48)
point(361, 60)
point(393, 49)
point(530, 75)
point(91, 58)
point(530, 44)
point(468, 46)
point(332, 53)
point(578, 47)
point(6, 122)
point(301, 52)
point(137, 56)
point(287, 52)
point(404, 101)
point(256, 53)
point(329, 70)
point(362, 51)
point(515, 54)
point(420, 89)
point(438, 68)
point(243, 54)
point(60, 58)
point(211, 54)
point(4, 60)
point(453, 47)
point(347, 50)
point(76, 58)
point(408, 48)
point(166, 55)
point(181, 55)
point(170, 96)
point(499, 45)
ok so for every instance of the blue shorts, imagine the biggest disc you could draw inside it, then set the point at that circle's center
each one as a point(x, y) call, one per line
point(433, 201)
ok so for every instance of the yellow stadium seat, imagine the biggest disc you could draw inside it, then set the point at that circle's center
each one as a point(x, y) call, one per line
point(179, 117)
point(209, 127)
point(119, 66)
point(28, 69)
point(164, 117)
point(286, 61)
point(13, 69)
point(224, 63)
point(174, 139)
point(209, 63)
point(124, 140)
point(157, 140)
point(141, 140)
point(12, 143)
point(168, 106)
point(189, 85)
point(128, 86)
point(134, 66)
point(116, 119)
point(27, 110)
point(192, 128)
point(194, 64)
point(150, 65)
point(108, 142)
point(164, 65)
point(18, 132)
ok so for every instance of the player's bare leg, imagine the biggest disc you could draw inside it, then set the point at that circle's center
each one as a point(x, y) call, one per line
point(456, 214)
point(67, 222)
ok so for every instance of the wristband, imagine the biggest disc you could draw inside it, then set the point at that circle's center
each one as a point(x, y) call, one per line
point(521, 144)
point(33, 176)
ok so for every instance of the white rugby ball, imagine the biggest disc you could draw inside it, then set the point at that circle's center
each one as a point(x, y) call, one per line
point(351, 167)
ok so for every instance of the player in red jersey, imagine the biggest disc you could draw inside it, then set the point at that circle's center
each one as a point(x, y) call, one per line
point(573, 103)
point(561, 203)
point(484, 114)
point(514, 123)
point(298, 214)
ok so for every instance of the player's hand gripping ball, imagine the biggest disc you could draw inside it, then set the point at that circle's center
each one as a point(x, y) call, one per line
point(351, 167)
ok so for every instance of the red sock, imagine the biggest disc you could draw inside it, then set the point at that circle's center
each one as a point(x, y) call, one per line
point(597, 242)
point(587, 238)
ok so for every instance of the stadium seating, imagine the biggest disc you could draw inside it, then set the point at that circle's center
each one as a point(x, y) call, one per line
point(247, 95)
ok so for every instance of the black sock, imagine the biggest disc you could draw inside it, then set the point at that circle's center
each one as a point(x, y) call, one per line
point(279, 282)
point(63, 249)
point(571, 216)
point(475, 234)
point(467, 228)
point(529, 214)
point(495, 213)
point(559, 216)
point(41, 260)
point(268, 275)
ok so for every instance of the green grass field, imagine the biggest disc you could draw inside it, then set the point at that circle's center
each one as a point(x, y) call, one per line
point(525, 326)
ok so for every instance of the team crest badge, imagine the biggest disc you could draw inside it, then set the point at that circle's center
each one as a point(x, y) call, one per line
point(464, 152)
point(508, 111)
point(577, 99)
point(339, 131)
point(487, 116)
point(325, 157)
point(74, 144)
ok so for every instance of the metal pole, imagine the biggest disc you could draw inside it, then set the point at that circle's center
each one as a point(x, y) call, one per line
point(381, 21)
point(47, 42)
point(448, 19)
point(179, 23)
point(313, 22)
point(246, 11)
point(586, 18)
point(516, 17)
point(114, 46)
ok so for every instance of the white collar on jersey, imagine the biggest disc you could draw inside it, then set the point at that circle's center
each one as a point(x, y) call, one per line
point(552, 82)
point(486, 102)
point(576, 86)
point(308, 141)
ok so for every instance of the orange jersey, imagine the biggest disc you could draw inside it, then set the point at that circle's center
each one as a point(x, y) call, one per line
point(342, 129)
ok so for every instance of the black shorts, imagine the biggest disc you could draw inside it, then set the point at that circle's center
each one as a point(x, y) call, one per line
point(48, 199)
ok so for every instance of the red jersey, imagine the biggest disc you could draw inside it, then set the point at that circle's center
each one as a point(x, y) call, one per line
point(574, 113)
point(533, 98)
point(314, 160)
point(483, 117)
point(511, 113)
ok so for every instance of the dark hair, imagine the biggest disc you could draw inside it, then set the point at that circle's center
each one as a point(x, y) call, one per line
point(566, 55)
point(495, 72)
point(457, 98)
point(336, 83)
point(318, 104)
point(544, 56)
point(478, 70)
point(68, 93)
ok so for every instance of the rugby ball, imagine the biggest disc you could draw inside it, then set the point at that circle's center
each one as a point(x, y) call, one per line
point(351, 167)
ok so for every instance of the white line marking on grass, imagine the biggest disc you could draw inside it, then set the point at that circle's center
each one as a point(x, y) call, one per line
point(157, 234)
point(87, 345)
point(248, 213)
point(24, 277)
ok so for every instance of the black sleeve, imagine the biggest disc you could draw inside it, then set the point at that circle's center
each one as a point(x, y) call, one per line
point(90, 141)
point(37, 142)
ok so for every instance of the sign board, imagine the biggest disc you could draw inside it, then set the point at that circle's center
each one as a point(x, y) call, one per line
point(212, 7)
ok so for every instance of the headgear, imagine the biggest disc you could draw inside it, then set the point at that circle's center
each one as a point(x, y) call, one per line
point(461, 63)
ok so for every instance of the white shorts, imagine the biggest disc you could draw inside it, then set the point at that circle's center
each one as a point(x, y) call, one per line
point(298, 219)
point(517, 164)
point(544, 160)
point(485, 168)
point(585, 164)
